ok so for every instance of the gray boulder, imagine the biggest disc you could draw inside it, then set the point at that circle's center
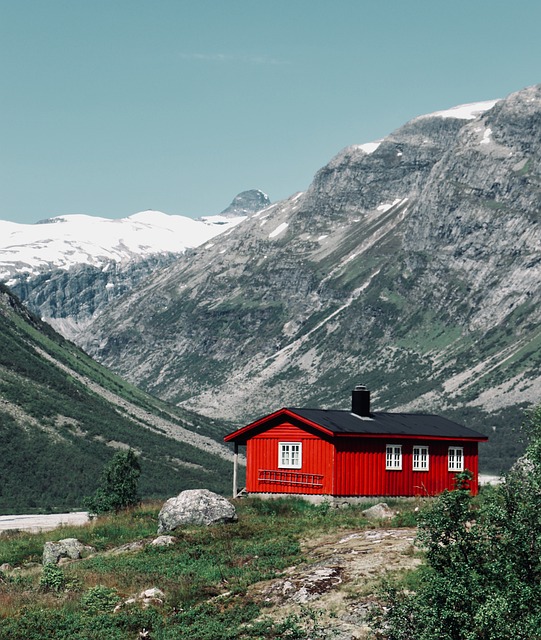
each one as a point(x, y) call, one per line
point(69, 548)
point(195, 506)
point(379, 511)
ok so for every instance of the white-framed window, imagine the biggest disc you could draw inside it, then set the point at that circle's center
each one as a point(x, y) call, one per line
point(420, 458)
point(393, 457)
point(289, 455)
point(456, 459)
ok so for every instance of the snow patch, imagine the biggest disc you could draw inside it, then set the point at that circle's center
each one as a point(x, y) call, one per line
point(64, 241)
point(278, 230)
point(369, 147)
point(464, 111)
point(386, 206)
point(486, 136)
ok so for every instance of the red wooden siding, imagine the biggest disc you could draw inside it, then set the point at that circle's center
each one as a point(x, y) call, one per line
point(263, 474)
point(360, 467)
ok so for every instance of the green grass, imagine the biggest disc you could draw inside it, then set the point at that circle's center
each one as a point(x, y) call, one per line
point(205, 576)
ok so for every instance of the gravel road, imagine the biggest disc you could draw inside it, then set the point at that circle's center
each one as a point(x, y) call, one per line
point(42, 522)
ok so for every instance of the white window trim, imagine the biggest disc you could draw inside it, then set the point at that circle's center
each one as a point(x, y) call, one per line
point(396, 463)
point(419, 466)
point(281, 446)
point(452, 459)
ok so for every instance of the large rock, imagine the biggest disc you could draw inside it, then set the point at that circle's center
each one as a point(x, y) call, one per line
point(195, 506)
point(69, 548)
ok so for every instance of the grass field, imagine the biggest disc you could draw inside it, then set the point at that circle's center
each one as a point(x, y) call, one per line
point(205, 576)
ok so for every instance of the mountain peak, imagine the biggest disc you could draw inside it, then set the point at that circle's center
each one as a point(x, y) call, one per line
point(247, 202)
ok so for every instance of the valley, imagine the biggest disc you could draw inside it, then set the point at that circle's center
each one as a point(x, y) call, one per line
point(410, 265)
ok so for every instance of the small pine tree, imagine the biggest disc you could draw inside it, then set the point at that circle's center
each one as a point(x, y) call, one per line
point(118, 488)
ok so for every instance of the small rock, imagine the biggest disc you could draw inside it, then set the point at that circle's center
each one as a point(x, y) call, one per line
point(137, 545)
point(379, 511)
point(5, 567)
point(149, 597)
point(163, 541)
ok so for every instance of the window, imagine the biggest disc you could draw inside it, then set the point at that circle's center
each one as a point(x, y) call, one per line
point(456, 458)
point(393, 457)
point(289, 455)
point(420, 458)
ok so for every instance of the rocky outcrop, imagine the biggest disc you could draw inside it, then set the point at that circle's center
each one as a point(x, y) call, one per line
point(195, 507)
point(163, 541)
point(69, 548)
point(380, 511)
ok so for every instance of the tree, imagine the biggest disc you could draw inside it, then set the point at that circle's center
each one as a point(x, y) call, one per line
point(118, 488)
point(482, 579)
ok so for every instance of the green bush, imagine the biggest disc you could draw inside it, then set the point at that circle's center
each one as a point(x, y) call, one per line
point(100, 599)
point(52, 578)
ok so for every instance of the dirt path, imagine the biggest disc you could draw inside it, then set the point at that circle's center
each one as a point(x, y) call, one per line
point(34, 523)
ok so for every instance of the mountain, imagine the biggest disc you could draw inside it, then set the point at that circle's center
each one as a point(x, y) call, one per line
point(246, 203)
point(411, 265)
point(68, 268)
point(62, 416)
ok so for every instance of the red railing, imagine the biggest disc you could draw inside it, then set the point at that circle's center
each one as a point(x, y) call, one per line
point(291, 478)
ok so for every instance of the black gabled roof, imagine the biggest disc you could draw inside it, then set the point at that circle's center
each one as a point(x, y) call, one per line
point(381, 423)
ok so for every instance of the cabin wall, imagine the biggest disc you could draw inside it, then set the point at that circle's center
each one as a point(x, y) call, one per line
point(264, 475)
point(360, 468)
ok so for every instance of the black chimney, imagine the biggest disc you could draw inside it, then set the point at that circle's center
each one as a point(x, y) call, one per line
point(360, 401)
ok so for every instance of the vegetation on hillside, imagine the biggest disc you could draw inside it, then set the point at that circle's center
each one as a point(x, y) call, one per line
point(57, 433)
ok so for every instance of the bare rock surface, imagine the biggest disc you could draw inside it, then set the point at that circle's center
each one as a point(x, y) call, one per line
point(341, 568)
point(195, 507)
point(163, 541)
point(129, 547)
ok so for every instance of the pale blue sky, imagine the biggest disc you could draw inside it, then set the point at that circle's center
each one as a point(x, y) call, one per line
point(109, 107)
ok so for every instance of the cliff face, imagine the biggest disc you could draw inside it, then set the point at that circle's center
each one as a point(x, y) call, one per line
point(69, 299)
point(411, 266)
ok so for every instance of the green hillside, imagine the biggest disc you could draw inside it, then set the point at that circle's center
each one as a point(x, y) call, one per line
point(62, 416)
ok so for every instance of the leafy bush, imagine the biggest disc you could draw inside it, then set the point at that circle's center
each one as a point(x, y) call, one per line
point(52, 578)
point(100, 599)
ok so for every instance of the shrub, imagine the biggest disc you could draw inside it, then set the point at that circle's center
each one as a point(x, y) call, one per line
point(100, 599)
point(52, 578)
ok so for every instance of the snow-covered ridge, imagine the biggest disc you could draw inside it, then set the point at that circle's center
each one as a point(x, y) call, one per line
point(463, 111)
point(64, 241)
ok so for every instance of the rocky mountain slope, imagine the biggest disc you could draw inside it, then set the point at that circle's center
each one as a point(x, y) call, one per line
point(411, 265)
point(62, 416)
point(67, 269)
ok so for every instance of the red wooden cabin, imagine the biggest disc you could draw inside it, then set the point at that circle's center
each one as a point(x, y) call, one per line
point(355, 453)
